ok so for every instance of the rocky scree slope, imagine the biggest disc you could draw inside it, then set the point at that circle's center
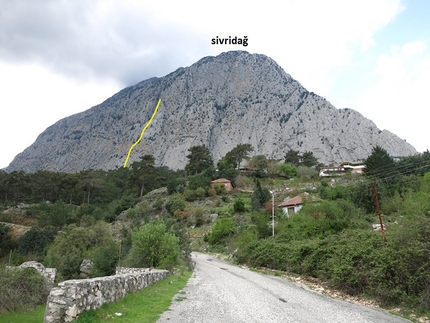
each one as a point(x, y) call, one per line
point(234, 98)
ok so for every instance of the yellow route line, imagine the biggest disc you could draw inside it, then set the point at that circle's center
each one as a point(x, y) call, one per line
point(143, 131)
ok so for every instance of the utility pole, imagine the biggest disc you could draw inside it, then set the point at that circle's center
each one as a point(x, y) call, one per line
point(273, 214)
point(378, 210)
point(273, 211)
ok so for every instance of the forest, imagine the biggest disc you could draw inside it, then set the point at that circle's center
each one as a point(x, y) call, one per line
point(116, 217)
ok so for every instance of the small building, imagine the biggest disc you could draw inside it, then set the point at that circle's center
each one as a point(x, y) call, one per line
point(293, 205)
point(346, 168)
point(225, 182)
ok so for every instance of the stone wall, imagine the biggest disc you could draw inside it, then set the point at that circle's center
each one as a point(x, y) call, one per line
point(72, 297)
point(48, 273)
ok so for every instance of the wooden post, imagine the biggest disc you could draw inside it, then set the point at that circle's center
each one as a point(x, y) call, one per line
point(378, 210)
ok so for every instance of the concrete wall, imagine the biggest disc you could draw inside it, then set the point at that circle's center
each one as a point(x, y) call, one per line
point(72, 297)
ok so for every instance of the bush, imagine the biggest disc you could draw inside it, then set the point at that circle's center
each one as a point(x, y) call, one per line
point(36, 240)
point(220, 188)
point(6, 243)
point(190, 195)
point(223, 228)
point(239, 206)
point(261, 221)
point(74, 244)
point(57, 215)
point(21, 289)
point(154, 246)
point(104, 258)
point(200, 192)
point(287, 170)
point(211, 192)
point(175, 202)
point(307, 172)
point(197, 181)
point(260, 196)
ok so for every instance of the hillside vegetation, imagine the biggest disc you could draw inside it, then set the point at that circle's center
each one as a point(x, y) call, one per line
point(150, 216)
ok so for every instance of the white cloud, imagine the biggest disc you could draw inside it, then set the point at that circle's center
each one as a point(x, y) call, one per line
point(398, 101)
point(65, 56)
point(27, 92)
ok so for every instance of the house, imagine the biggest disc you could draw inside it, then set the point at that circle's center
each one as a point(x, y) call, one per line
point(225, 182)
point(293, 205)
point(342, 170)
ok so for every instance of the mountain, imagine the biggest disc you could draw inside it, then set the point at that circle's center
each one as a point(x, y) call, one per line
point(221, 101)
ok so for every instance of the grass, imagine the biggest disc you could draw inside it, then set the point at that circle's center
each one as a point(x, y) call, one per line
point(144, 306)
point(35, 316)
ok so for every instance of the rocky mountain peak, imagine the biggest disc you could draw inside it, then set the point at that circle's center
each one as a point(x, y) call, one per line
point(233, 98)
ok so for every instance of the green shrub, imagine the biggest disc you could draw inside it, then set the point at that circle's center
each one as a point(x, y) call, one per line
point(158, 204)
point(220, 189)
point(36, 240)
point(200, 192)
point(223, 228)
point(21, 289)
point(211, 192)
point(287, 170)
point(197, 181)
point(261, 222)
point(154, 246)
point(239, 206)
point(6, 243)
point(57, 215)
point(104, 258)
point(175, 202)
point(74, 244)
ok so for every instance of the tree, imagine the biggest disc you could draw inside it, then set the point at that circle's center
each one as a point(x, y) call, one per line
point(68, 185)
point(199, 160)
point(239, 153)
point(6, 242)
point(88, 181)
point(16, 183)
point(175, 202)
point(308, 159)
point(154, 246)
point(292, 157)
point(143, 171)
point(379, 164)
point(223, 228)
point(260, 196)
point(287, 170)
point(36, 240)
point(260, 163)
point(199, 181)
point(227, 162)
point(74, 244)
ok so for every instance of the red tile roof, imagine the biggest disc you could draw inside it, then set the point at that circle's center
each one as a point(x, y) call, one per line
point(291, 202)
point(297, 200)
point(221, 180)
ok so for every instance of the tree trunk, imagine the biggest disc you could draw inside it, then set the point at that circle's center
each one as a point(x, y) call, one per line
point(141, 190)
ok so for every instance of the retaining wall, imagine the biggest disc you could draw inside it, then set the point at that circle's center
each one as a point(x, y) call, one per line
point(72, 297)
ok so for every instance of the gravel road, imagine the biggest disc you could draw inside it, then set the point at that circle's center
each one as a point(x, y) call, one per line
point(220, 292)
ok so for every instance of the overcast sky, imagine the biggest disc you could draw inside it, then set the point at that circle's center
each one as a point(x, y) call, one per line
point(60, 57)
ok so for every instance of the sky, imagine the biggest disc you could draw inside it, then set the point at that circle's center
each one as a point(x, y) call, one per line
point(61, 57)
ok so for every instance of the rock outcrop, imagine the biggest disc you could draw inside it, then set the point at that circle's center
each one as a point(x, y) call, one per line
point(220, 102)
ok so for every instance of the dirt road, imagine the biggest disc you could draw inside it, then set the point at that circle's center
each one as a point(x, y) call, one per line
point(220, 292)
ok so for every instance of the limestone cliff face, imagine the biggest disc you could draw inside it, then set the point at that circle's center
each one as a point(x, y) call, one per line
point(220, 102)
